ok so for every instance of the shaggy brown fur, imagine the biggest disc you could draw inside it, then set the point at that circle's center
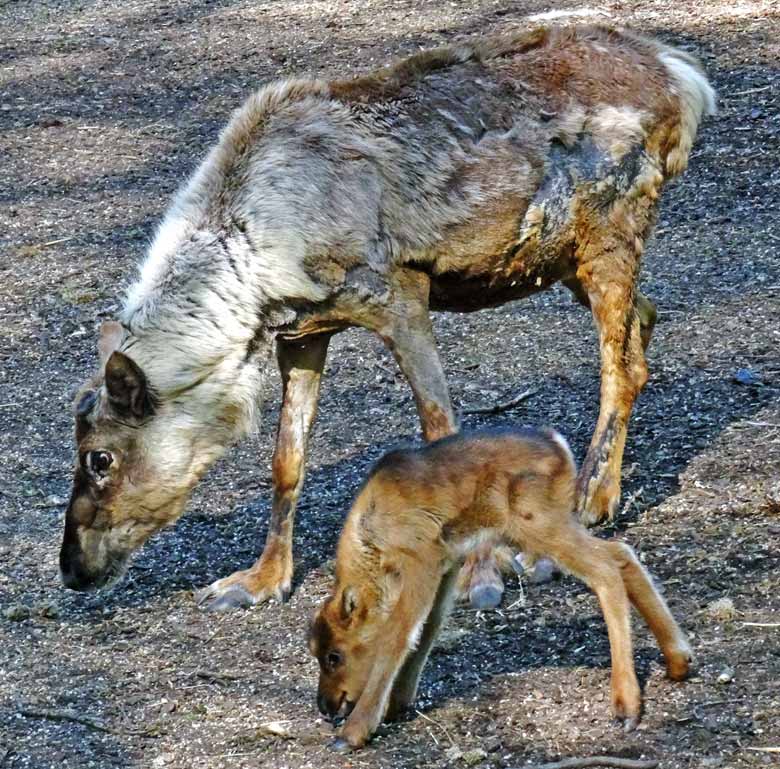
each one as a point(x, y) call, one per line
point(419, 513)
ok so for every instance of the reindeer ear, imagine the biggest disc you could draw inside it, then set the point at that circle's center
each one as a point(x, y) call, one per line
point(128, 392)
point(112, 334)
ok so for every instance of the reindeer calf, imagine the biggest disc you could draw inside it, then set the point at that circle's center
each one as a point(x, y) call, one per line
point(416, 518)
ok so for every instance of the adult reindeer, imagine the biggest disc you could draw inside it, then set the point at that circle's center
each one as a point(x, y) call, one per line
point(461, 178)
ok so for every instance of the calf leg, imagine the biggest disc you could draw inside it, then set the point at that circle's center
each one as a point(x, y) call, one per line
point(301, 363)
point(592, 561)
point(407, 331)
point(405, 620)
point(405, 687)
point(651, 605)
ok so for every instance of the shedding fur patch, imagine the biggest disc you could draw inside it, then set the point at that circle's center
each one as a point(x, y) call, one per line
point(617, 129)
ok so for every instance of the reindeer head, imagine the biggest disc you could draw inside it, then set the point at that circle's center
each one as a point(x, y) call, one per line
point(138, 457)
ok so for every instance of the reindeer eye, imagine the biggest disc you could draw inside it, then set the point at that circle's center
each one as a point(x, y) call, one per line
point(98, 462)
point(333, 659)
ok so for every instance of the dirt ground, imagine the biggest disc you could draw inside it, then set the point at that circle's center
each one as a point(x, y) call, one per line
point(104, 107)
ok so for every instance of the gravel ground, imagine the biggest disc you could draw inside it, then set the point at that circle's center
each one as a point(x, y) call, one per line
point(104, 107)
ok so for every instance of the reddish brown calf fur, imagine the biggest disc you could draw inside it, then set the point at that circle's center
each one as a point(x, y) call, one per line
point(419, 513)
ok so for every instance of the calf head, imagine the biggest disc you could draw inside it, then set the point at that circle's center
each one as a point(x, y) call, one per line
point(346, 637)
point(136, 463)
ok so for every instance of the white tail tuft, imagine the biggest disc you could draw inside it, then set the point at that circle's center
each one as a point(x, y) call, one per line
point(697, 99)
point(555, 436)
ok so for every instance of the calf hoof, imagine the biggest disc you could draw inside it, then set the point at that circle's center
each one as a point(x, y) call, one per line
point(678, 663)
point(484, 597)
point(537, 572)
point(340, 745)
point(629, 724)
point(627, 706)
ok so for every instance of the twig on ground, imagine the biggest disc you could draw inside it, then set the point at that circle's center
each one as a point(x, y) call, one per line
point(67, 715)
point(577, 763)
point(711, 703)
point(55, 242)
point(220, 628)
point(762, 624)
point(90, 723)
point(214, 676)
point(631, 500)
point(436, 723)
point(749, 90)
point(765, 750)
point(505, 406)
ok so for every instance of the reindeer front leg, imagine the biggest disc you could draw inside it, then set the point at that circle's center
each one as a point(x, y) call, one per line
point(301, 363)
point(406, 329)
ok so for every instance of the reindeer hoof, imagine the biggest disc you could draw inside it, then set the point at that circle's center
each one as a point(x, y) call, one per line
point(234, 597)
point(485, 597)
point(629, 724)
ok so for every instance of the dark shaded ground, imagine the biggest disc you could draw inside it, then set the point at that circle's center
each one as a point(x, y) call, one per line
point(104, 106)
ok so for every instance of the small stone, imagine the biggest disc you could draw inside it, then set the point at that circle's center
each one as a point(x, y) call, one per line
point(49, 610)
point(726, 676)
point(722, 609)
point(53, 500)
point(745, 376)
point(450, 638)
point(453, 754)
point(492, 744)
point(17, 612)
point(276, 729)
point(474, 756)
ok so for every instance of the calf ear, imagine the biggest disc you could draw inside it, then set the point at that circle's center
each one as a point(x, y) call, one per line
point(391, 584)
point(128, 391)
point(349, 602)
point(112, 334)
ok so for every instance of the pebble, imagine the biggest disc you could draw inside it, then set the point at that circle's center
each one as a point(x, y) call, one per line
point(726, 676)
point(17, 612)
point(474, 756)
point(721, 609)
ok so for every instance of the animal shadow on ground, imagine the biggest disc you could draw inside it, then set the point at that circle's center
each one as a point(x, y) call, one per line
point(669, 428)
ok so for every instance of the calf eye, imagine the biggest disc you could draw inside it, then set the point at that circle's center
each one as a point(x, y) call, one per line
point(333, 659)
point(98, 462)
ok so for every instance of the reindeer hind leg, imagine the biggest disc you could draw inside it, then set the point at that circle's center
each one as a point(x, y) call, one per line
point(608, 273)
